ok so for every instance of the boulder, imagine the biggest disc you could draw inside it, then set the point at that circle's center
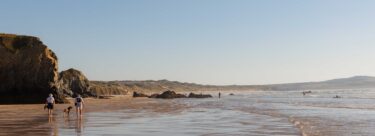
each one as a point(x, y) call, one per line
point(170, 95)
point(135, 94)
point(193, 95)
point(104, 97)
point(74, 82)
point(28, 70)
point(153, 96)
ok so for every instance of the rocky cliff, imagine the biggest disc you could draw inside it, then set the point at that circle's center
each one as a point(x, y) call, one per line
point(101, 88)
point(28, 70)
point(74, 82)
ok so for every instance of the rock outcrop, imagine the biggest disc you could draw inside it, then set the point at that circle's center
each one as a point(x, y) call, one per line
point(28, 70)
point(193, 95)
point(153, 95)
point(73, 82)
point(170, 95)
point(136, 94)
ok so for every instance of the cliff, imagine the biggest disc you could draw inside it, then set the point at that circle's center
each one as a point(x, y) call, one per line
point(74, 82)
point(28, 70)
point(107, 88)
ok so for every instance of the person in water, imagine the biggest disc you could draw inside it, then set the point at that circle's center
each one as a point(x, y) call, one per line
point(79, 103)
point(219, 95)
point(50, 102)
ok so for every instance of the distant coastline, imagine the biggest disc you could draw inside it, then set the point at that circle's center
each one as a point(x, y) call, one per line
point(356, 82)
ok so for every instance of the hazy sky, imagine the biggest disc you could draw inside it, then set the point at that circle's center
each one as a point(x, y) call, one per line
point(203, 41)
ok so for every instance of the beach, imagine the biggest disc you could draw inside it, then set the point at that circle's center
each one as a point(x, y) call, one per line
point(283, 113)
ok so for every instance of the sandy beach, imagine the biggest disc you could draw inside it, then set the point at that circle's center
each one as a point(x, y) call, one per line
point(260, 113)
point(32, 119)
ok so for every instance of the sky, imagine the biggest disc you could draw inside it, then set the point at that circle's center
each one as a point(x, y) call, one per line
point(220, 42)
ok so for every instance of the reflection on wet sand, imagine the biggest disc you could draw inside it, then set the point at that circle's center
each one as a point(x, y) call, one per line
point(252, 113)
point(79, 126)
point(73, 123)
point(32, 120)
point(53, 125)
point(23, 120)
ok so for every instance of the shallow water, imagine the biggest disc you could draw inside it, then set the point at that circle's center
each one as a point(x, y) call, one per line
point(283, 113)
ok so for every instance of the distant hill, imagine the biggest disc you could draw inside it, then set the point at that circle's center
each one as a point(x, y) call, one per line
point(153, 86)
point(342, 83)
point(355, 82)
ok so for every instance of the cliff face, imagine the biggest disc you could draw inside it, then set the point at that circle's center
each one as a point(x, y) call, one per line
point(28, 70)
point(73, 82)
point(107, 88)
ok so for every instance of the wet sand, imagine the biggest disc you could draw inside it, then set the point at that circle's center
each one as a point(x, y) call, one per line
point(142, 116)
point(259, 113)
point(32, 119)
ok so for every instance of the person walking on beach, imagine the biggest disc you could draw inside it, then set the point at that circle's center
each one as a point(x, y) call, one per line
point(79, 105)
point(219, 95)
point(50, 102)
